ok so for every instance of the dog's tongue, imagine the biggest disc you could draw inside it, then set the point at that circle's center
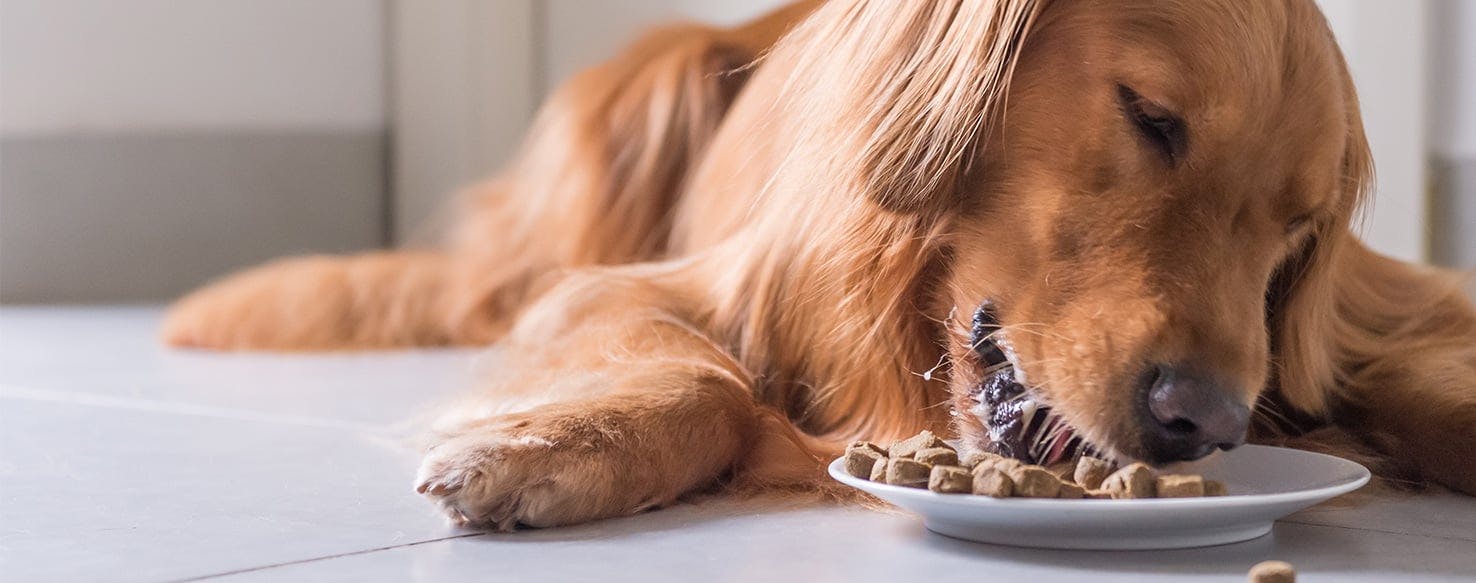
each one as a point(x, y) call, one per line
point(1061, 446)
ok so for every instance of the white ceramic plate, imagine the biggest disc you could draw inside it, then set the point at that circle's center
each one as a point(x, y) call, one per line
point(1264, 484)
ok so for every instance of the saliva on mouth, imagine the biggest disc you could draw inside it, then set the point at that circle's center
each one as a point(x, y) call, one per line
point(1019, 425)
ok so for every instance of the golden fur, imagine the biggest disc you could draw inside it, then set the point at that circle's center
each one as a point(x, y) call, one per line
point(726, 252)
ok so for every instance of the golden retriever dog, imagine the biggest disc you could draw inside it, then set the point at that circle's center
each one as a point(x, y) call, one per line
point(726, 252)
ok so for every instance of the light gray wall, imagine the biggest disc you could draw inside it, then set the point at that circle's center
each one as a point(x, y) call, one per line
point(470, 73)
point(1384, 43)
point(579, 33)
point(147, 145)
point(465, 86)
point(142, 216)
point(1453, 133)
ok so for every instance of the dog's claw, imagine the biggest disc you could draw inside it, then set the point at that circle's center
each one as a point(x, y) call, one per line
point(436, 488)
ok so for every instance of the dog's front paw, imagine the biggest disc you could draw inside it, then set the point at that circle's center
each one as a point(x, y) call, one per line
point(287, 305)
point(499, 480)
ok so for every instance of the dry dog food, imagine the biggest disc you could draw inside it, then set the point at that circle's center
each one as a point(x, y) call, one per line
point(1272, 572)
point(867, 445)
point(908, 472)
point(1133, 481)
point(925, 461)
point(1071, 491)
point(1062, 470)
point(937, 456)
point(861, 457)
point(879, 471)
point(990, 460)
point(990, 481)
point(1176, 486)
point(951, 480)
point(974, 458)
point(1214, 488)
point(1091, 471)
point(910, 446)
point(1034, 482)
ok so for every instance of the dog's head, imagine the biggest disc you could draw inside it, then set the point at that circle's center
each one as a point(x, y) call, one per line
point(1148, 195)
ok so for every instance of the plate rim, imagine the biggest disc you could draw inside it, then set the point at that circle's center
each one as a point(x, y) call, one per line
point(837, 471)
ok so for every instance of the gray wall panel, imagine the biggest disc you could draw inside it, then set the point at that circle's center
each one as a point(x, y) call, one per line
point(1453, 214)
point(143, 217)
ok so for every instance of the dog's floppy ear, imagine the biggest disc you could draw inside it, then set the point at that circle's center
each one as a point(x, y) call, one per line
point(1302, 304)
point(903, 92)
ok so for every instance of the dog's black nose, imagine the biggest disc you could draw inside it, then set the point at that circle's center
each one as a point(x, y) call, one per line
point(1187, 416)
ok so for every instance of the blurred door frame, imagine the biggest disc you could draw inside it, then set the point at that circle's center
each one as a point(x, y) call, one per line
point(464, 83)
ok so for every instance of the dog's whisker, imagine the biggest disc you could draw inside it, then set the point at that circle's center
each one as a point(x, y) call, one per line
point(927, 375)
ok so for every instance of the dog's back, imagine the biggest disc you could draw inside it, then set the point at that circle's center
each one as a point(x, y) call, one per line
point(599, 180)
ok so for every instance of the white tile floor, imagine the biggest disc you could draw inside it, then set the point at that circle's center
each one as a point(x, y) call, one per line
point(121, 461)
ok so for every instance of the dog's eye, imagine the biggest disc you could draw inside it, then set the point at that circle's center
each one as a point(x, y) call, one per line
point(1163, 129)
point(1297, 224)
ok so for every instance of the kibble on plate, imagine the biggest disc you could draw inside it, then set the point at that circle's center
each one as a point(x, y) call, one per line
point(860, 460)
point(1214, 488)
point(992, 482)
point(1062, 470)
point(937, 456)
point(879, 471)
point(908, 472)
point(924, 461)
point(1179, 486)
point(951, 480)
point(1091, 471)
point(974, 458)
point(1034, 482)
point(910, 446)
point(867, 445)
point(1002, 463)
point(1272, 572)
point(1132, 481)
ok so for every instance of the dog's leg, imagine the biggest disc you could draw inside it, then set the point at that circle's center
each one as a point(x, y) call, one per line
point(378, 300)
point(1409, 385)
point(608, 403)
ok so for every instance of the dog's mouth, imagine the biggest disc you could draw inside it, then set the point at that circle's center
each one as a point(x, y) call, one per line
point(1019, 423)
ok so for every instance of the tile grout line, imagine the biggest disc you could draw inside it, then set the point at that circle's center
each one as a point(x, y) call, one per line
point(1378, 530)
point(154, 406)
point(323, 558)
point(478, 534)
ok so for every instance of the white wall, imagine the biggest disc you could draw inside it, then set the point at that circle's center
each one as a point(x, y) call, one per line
point(1453, 80)
point(1385, 44)
point(120, 65)
point(470, 73)
point(149, 145)
point(465, 89)
point(578, 33)
point(1452, 133)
